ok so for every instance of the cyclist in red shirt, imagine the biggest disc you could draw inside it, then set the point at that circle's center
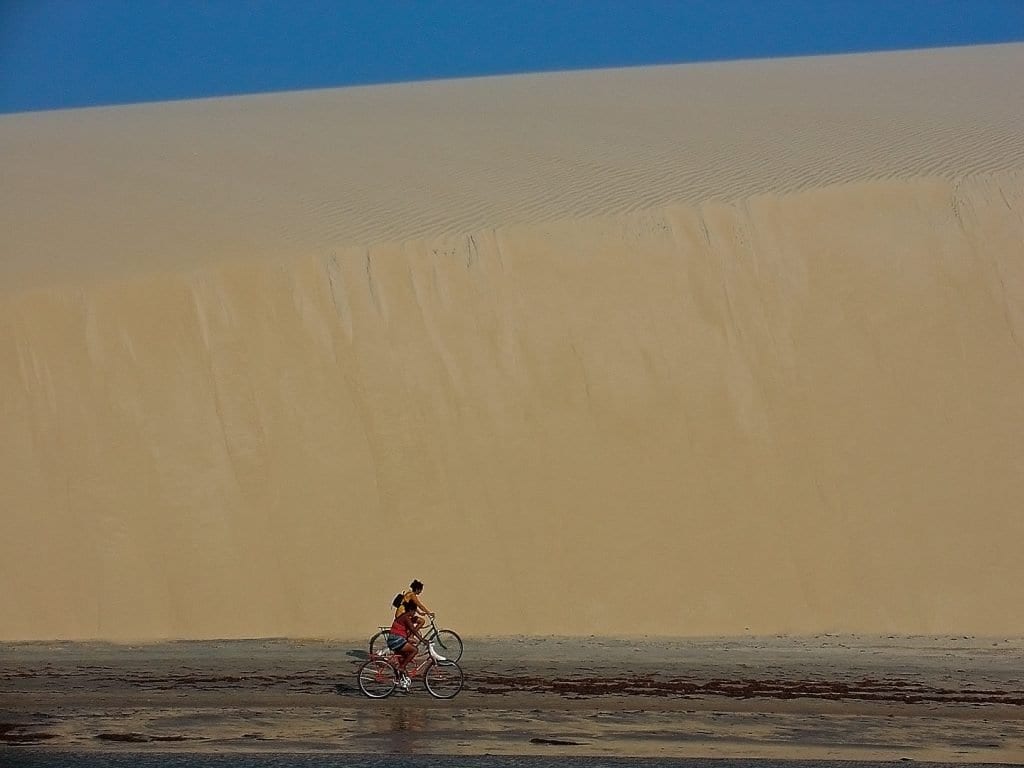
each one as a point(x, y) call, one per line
point(402, 640)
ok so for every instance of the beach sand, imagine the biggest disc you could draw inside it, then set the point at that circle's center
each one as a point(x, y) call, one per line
point(939, 699)
point(699, 350)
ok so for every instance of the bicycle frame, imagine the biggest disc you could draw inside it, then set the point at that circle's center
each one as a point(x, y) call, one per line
point(419, 662)
point(431, 636)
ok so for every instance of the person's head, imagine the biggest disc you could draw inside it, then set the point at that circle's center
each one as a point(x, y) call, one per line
point(416, 586)
point(410, 606)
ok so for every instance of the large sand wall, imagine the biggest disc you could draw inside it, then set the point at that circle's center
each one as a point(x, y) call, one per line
point(792, 413)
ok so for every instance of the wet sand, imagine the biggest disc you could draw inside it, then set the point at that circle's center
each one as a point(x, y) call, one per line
point(942, 699)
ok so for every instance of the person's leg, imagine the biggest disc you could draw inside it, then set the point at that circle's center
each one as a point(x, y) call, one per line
point(407, 652)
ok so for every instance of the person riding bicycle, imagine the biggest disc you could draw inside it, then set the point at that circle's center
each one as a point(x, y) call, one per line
point(402, 640)
point(413, 595)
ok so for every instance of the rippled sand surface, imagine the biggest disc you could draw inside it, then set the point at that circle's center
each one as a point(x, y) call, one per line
point(167, 185)
point(953, 699)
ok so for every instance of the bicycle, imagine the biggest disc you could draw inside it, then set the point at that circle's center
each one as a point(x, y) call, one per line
point(378, 677)
point(447, 641)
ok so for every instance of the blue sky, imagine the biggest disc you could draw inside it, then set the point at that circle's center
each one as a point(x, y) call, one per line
point(73, 53)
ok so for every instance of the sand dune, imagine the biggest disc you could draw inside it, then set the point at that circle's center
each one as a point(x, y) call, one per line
point(694, 350)
point(175, 185)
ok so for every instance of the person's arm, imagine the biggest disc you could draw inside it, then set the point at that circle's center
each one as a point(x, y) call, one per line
point(421, 606)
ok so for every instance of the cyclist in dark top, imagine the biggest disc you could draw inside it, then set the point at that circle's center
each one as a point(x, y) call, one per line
point(413, 593)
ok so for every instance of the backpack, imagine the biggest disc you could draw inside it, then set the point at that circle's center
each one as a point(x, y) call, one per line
point(397, 601)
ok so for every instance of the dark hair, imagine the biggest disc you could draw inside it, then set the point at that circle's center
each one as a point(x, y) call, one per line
point(416, 584)
point(410, 606)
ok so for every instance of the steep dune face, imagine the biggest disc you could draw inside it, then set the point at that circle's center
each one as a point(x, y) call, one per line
point(793, 413)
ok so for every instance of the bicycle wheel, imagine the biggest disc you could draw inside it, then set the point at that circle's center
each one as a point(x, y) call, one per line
point(448, 644)
point(443, 679)
point(377, 679)
point(378, 644)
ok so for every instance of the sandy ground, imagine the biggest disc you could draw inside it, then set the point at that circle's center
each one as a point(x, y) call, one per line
point(948, 699)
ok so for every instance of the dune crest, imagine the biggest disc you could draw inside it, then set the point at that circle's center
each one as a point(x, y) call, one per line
point(164, 187)
point(791, 413)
